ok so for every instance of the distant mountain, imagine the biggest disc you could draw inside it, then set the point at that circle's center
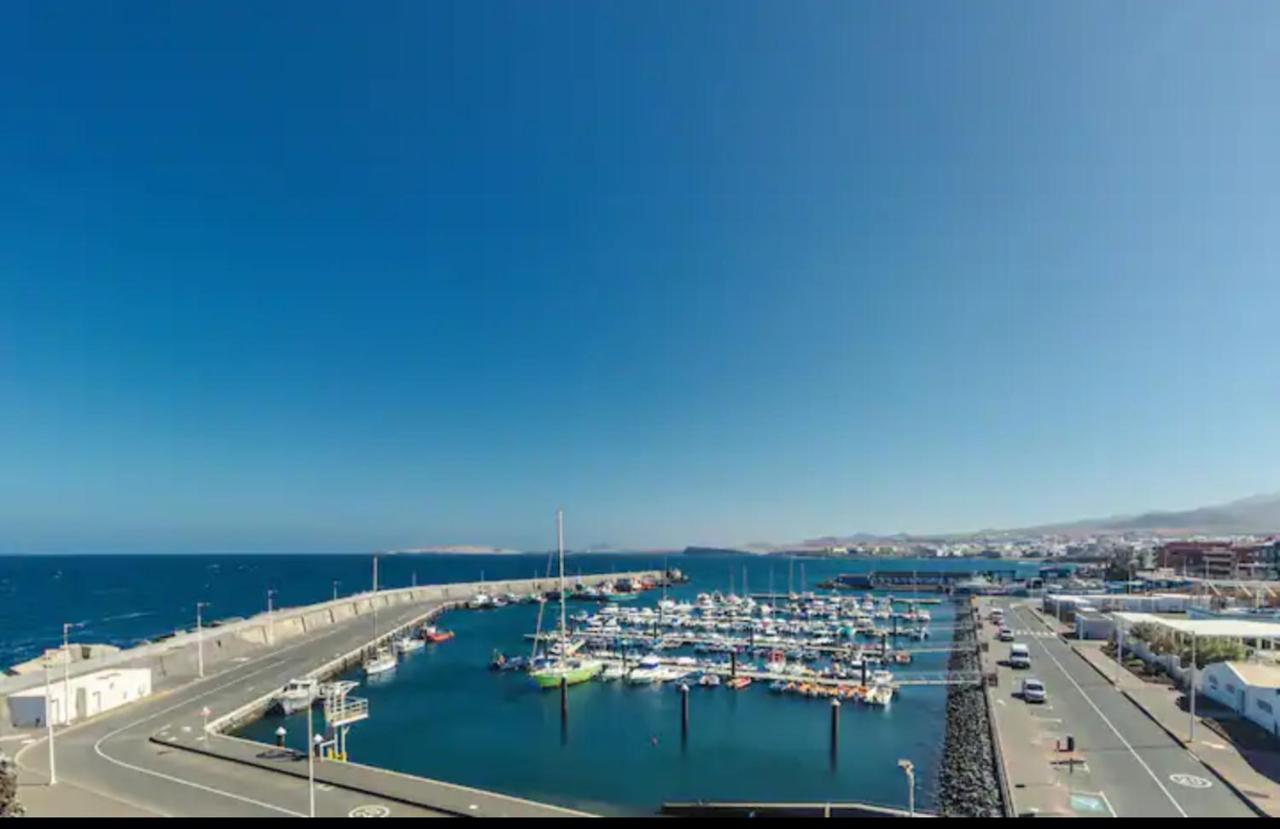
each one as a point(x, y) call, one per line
point(1256, 515)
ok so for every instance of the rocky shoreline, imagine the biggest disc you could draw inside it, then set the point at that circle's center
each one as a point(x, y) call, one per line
point(967, 784)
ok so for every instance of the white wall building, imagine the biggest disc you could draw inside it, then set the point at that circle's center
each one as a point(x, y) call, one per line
point(1250, 689)
point(90, 694)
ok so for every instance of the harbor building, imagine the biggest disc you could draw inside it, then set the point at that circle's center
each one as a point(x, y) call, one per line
point(1251, 689)
point(90, 694)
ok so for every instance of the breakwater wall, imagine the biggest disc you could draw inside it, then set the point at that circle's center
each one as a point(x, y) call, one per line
point(969, 777)
point(175, 660)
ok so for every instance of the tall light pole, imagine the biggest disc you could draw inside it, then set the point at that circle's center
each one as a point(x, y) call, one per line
point(200, 638)
point(1119, 652)
point(66, 672)
point(910, 769)
point(1192, 691)
point(271, 619)
point(311, 762)
point(48, 717)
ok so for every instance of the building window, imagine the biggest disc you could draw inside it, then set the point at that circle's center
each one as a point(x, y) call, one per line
point(1264, 705)
point(1231, 689)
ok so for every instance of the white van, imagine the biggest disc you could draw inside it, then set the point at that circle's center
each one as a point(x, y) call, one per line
point(1019, 656)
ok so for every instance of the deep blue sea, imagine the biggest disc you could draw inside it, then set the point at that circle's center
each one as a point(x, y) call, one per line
point(443, 714)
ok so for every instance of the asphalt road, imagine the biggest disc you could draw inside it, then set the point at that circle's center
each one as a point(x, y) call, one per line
point(1138, 769)
point(112, 760)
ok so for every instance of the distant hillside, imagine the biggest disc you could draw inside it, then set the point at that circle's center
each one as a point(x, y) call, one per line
point(1257, 515)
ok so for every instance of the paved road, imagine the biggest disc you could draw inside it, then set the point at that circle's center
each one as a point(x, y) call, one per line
point(111, 763)
point(1137, 768)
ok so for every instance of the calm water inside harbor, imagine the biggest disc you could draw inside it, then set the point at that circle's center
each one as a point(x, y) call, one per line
point(444, 714)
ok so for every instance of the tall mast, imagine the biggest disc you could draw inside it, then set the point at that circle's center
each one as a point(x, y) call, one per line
point(560, 546)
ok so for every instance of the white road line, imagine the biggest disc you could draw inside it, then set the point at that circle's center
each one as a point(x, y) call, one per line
point(1114, 730)
point(97, 747)
point(1103, 795)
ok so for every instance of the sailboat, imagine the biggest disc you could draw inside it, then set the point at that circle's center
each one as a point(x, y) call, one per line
point(569, 671)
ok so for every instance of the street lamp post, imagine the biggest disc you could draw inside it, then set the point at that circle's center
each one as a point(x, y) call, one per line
point(48, 717)
point(311, 763)
point(1191, 693)
point(271, 619)
point(200, 638)
point(910, 769)
point(66, 673)
point(1119, 652)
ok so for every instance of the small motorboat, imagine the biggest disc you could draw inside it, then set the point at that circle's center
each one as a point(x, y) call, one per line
point(435, 635)
point(407, 644)
point(298, 695)
point(709, 680)
point(739, 682)
point(380, 662)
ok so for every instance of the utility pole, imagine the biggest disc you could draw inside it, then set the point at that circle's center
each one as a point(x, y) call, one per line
point(66, 673)
point(48, 717)
point(200, 637)
point(311, 762)
point(271, 619)
point(1192, 691)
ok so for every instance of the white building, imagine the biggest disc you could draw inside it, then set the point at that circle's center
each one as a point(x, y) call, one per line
point(90, 694)
point(1251, 689)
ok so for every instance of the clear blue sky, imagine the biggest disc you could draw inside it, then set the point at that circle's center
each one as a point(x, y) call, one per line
point(336, 276)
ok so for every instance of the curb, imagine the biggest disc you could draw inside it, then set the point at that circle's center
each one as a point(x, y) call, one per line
point(1258, 810)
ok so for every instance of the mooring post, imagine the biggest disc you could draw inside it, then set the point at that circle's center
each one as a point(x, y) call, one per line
point(280, 732)
point(835, 731)
point(864, 672)
point(684, 711)
point(564, 698)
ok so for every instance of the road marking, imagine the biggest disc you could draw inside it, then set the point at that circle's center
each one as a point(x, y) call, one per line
point(1103, 795)
point(372, 810)
point(97, 747)
point(1191, 781)
point(1114, 730)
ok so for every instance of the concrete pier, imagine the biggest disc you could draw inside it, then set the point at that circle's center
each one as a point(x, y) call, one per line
point(154, 757)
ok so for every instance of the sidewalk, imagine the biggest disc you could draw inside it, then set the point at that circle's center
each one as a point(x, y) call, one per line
point(1160, 703)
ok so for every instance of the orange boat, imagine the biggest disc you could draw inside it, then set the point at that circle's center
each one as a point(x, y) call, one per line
point(738, 683)
point(435, 636)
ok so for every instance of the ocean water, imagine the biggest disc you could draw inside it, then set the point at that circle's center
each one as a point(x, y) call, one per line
point(443, 714)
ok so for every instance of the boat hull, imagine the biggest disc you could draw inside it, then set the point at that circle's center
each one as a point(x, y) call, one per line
point(551, 677)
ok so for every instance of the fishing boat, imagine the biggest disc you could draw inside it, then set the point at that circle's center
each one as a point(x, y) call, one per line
point(380, 662)
point(298, 695)
point(408, 644)
point(564, 670)
point(435, 635)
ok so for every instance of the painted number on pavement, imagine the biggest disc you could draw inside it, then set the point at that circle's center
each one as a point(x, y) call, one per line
point(374, 810)
point(1190, 781)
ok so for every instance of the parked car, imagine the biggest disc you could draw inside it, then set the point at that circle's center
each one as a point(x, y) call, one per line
point(1006, 635)
point(1033, 691)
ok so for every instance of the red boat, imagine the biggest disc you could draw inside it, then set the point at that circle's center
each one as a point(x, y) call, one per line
point(435, 636)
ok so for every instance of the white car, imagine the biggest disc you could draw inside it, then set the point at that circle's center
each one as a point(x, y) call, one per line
point(1006, 635)
point(1033, 691)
